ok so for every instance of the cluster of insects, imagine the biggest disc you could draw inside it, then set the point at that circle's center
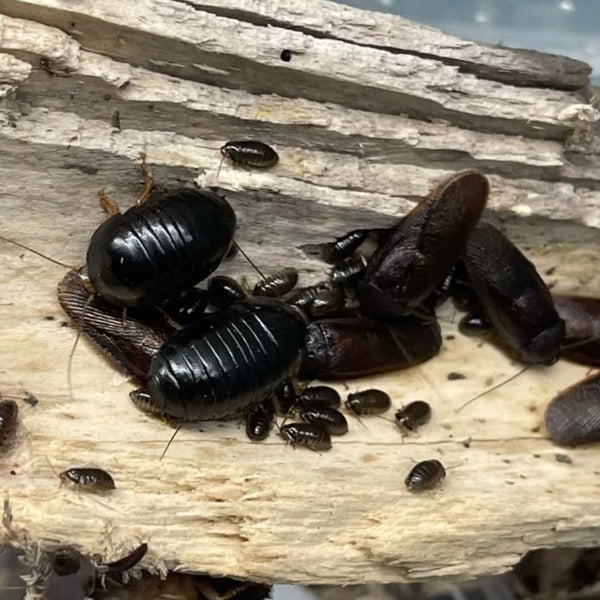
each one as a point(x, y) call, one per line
point(136, 299)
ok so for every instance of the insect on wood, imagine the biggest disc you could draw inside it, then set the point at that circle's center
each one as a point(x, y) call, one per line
point(368, 402)
point(422, 249)
point(413, 415)
point(250, 153)
point(306, 435)
point(573, 417)
point(514, 297)
point(328, 418)
point(277, 284)
point(89, 479)
point(259, 421)
point(355, 347)
point(225, 362)
point(425, 475)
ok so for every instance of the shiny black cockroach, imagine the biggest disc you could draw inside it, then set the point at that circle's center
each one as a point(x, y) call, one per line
point(90, 479)
point(160, 248)
point(278, 284)
point(425, 475)
point(344, 246)
point(582, 318)
point(250, 153)
point(318, 396)
point(328, 418)
point(157, 249)
point(318, 300)
point(224, 291)
point(259, 421)
point(573, 417)
point(413, 415)
point(422, 249)
point(355, 347)
point(368, 402)
point(514, 297)
point(348, 272)
point(474, 325)
point(224, 363)
point(9, 414)
point(285, 396)
point(306, 435)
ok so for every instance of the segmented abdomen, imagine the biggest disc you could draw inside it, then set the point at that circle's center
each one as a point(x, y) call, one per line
point(226, 362)
point(160, 248)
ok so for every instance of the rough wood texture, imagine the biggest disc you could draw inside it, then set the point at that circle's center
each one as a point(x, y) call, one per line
point(368, 115)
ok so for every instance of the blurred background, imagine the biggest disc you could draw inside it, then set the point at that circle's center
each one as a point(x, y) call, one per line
point(569, 27)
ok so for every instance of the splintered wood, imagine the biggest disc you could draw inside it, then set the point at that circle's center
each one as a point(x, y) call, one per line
point(369, 113)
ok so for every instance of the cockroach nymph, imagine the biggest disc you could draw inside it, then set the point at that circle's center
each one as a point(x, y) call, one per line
point(425, 475)
point(306, 435)
point(319, 396)
point(277, 284)
point(250, 153)
point(88, 478)
point(368, 402)
point(328, 418)
point(259, 421)
point(413, 415)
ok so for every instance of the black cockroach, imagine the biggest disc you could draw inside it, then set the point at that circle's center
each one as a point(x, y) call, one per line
point(318, 300)
point(328, 418)
point(319, 396)
point(278, 284)
point(413, 415)
point(515, 299)
point(474, 325)
point(306, 435)
point(88, 478)
point(423, 247)
point(9, 413)
point(356, 347)
point(573, 417)
point(250, 153)
point(425, 475)
point(224, 291)
point(348, 272)
point(225, 362)
point(582, 318)
point(344, 246)
point(259, 421)
point(164, 245)
point(368, 402)
point(130, 343)
point(160, 248)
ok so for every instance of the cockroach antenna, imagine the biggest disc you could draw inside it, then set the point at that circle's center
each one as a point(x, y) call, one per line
point(48, 258)
point(171, 440)
point(249, 260)
point(492, 389)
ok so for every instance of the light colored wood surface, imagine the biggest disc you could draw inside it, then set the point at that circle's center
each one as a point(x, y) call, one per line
point(362, 132)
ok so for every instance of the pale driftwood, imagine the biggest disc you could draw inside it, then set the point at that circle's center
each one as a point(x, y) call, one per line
point(368, 115)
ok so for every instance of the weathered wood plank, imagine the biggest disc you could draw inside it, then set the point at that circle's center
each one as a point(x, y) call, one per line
point(363, 131)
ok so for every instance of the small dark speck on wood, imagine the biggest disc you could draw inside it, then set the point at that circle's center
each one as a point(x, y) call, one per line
point(453, 376)
point(563, 458)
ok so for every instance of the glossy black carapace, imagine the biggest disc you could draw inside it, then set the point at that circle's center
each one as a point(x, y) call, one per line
point(159, 248)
